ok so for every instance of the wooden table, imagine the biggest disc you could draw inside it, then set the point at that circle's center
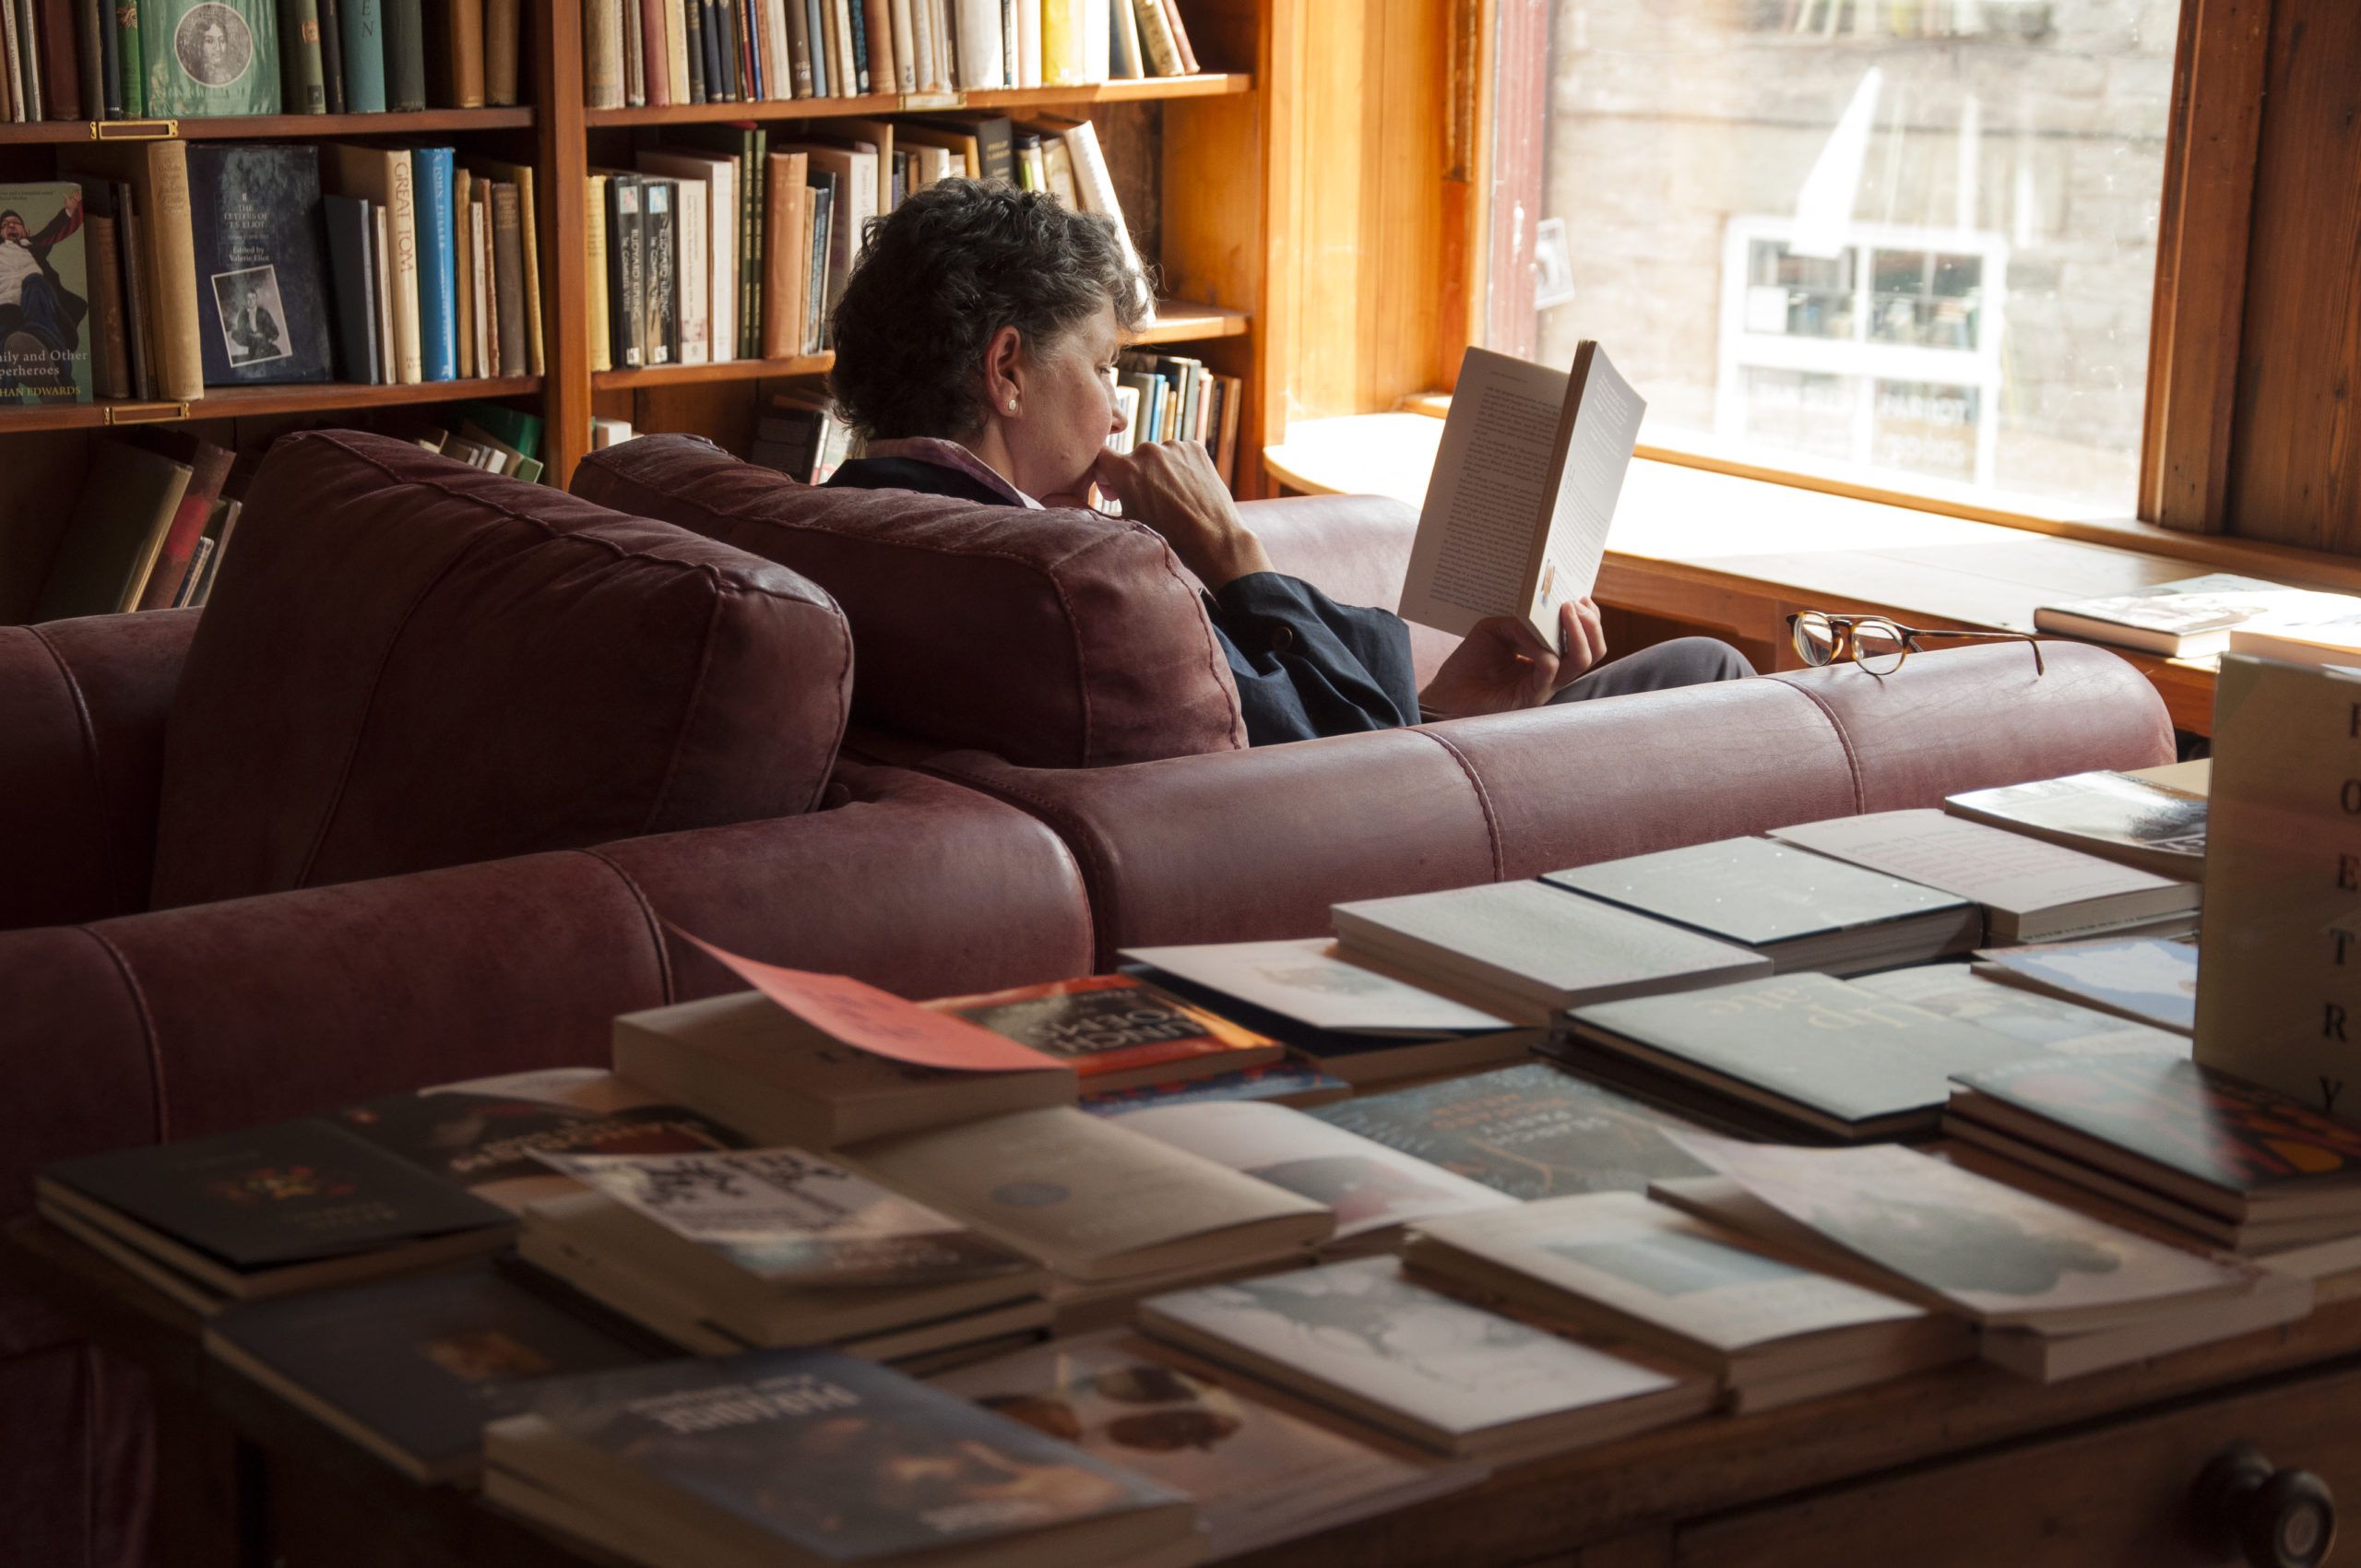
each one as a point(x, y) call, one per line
point(1738, 555)
point(1962, 1469)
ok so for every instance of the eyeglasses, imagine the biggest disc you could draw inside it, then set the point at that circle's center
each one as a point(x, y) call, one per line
point(1876, 644)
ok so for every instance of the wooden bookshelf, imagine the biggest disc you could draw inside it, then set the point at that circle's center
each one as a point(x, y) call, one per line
point(243, 403)
point(270, 127)
point(1146, 89)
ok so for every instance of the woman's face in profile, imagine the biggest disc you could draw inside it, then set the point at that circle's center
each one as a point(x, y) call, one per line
point(1067, 408)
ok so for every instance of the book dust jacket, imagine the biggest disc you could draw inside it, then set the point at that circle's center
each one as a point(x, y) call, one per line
point(46, 326)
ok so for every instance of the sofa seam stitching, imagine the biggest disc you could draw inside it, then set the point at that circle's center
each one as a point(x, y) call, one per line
point(1852, 758)
point(1483, 799)
point(648, 914)
point(90, 755)
point(1084, 859)
point(689, 708)
point(147, 1028)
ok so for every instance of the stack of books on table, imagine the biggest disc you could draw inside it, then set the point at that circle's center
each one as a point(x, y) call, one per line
point(2193, 617)
point(2056, 1293)
point(2223, 1161)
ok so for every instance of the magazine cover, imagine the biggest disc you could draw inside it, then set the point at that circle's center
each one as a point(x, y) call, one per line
point(45, 324)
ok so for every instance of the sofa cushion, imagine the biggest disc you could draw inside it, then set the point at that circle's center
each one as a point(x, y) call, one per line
point(410, 663)
point(1055, 638)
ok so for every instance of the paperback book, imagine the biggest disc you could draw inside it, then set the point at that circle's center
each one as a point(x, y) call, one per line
point(1530, 1131)
point(1800, 910)
point(263, 297)
point(2147, 979)
point(2048, 1025)
point(2118, 817)
point(1259, 1475)
point(2191, 618)
point(1410, 1360)
point(47, 327)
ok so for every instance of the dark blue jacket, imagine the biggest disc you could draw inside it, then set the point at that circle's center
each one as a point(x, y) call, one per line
point(1304, 665)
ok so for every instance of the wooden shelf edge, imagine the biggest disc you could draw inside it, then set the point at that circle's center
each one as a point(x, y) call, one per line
point(237, 402)
point(231, 127)
point(1179, 321)
point(1139, 90)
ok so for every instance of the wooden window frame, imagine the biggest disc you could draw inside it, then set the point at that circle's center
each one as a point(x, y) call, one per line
point(2203, 232)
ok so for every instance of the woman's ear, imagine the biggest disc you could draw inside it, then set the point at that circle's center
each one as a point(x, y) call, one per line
point(1004, 368)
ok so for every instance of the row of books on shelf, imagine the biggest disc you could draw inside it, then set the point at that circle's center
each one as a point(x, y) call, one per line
point(729, 243)
point(2219, 612)
point(157, 269)
point(182, 59)
point(153, 520)
point(661, 53)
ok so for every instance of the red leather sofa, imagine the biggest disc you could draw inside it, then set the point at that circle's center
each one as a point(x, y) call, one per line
point(413, 798)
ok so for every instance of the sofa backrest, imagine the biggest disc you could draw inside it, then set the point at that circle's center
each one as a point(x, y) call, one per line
point(1055, 638)
point(410, 663)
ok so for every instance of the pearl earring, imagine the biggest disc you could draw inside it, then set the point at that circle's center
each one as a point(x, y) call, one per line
point(1012, 405)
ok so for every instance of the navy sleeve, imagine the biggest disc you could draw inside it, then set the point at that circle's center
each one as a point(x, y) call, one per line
point(1307, 666)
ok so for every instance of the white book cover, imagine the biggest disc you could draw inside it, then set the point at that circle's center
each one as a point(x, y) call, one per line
point(1371, 1187)
point(1311, 980)
point(1095, 186)
point(1522, 492)
point(1361, 1331)
point(1648, 1261)
point(2057, 1027)
point(692, 222)
point(792, 1218)
point(1028, 41)
point(978, 47)
point(2000, 870)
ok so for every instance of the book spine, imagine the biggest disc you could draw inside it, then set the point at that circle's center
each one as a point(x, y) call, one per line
point(1178, 27)
point(779, 78)
point(172, 273)
point(463, 210)
point(676, 50)
point(24, 51)
point(12, 89)
point(61, 66)
point(815, 276)
point(841, 69)
point(131, 69)
point(661, 238)
point(754, 152)
point(817, 32)
point(857, 31)
point(1040, 36)
point(365, 56)
point(634, 57)
point(381, 220)
point(782, 332)
point(691, 218)
point(906, 59)
point(208, 469)
point(1156, 37)
point(536, 357)
point(108, 37)
point(692, 50)
point(503, 31)
point(603, 56)
point(92, 28)
point(752, 85)
point(725, 227)
point(734, 75)
point(465, 23)
point(352, 253)
point(653, 28)
point(437, 251)
point(627, 259)
point(1126, 63)
point(405, 25)
point(884, 70)
point(508, 290)
point(193, 574)
point(306, 83)
point(114, 359)
point(717, 82)
point(799, 49)
point(403, 233)
point(139, 324)
point(600, 328)
point(332, 54)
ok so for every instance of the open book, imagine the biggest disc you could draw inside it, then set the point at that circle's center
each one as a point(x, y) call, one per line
point(1524, 488)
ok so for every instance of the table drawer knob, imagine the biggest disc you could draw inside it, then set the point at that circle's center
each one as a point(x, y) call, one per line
point(2272, 1519)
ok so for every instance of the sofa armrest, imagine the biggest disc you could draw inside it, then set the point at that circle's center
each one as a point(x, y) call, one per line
point(1236, 846)
point(83, 705)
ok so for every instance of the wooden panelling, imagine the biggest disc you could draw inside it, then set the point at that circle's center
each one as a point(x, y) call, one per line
point(2202, 230)
point(2294, 451)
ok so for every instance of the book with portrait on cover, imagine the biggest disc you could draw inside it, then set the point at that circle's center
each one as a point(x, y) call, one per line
point(1524, 489)
point(46, 323)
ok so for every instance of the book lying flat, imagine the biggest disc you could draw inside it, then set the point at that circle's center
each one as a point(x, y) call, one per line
point(2118, 817)
point(2297, 639)
point(1296, 1081)
point(2031, 891)
point(287, 1206)
point(1360, 1339)
point(2147, 979)
point(1841, 1062)
point(781, 1080)
point(1309, 980)
point(1527, 949)
point(2191, 618)
point(1524, 489)
point(1618, 1265)
point(1374, 1189)
point(484, 1134)
point(692, 1453)
point(1924, 1229)
point(2201, 1137)
point(1259, 1474)
point(1800, 910)
point(412, 1369)
point(2051, 1026)
point(1531, 1132)
point(1118, 1031)
point(1365, 1058)
point(1091, 1198)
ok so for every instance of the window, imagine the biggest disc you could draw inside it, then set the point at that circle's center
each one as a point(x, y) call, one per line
point(1910, 243)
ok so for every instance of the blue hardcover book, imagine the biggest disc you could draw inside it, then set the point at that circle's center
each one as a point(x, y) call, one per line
point(362, 24)
point(438, 280)
point(822, 86)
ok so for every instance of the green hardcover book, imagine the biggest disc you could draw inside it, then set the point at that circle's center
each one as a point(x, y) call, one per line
point(750, 259)
point(210, 57)
point(131, 64)
point(45, 322)
point(306, 79)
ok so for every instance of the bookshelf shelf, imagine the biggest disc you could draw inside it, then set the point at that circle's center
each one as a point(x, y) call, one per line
point(238, 403)
point(242, 127)
point(1176, 322)
point(1146, 89)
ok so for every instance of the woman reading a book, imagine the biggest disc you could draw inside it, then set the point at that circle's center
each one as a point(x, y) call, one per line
point(976, 348)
